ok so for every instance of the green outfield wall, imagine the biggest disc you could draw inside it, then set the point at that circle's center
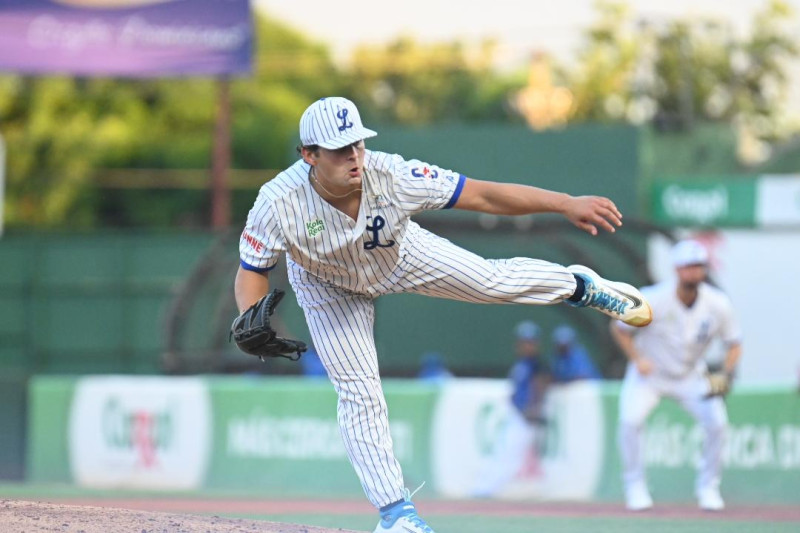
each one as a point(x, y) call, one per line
point(73, 303)
point(280, 436)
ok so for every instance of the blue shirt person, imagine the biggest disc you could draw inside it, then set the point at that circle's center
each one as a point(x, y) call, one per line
point(528, 375)
point(311, 364)
point(570, 361)
point(433, 368)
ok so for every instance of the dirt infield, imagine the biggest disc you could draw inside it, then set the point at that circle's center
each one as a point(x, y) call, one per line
point(191, 515)
point(240, 506)
point(19, 516)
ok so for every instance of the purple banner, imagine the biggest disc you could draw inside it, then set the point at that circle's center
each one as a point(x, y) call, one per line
point(126, 38)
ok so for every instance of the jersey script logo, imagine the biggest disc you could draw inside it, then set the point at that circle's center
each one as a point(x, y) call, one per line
point(377, 224)
point(342, 115)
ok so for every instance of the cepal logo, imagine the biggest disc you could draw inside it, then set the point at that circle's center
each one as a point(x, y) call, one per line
point(700, 205)
point(424, 172)
point(139, 431)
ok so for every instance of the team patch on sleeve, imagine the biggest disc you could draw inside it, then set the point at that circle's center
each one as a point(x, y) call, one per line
point(424, 172)
point(254, 243)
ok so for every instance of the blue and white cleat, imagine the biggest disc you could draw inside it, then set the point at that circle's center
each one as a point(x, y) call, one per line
point(613, 298)
point(402, 518)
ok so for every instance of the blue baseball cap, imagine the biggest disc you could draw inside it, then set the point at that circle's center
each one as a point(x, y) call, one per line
point(527, 330)
point(564, 335)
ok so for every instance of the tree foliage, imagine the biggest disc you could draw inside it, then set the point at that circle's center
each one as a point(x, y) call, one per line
point(61, 132)
point(602, 80)
point(407, 82)
point(678, 71)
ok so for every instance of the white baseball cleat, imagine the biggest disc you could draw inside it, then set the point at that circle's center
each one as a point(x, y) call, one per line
point(637, 497)
point(402, 519)
point(709, 499)
point(613, 298)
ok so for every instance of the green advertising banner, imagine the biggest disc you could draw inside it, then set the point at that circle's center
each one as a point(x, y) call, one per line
point(761, 457)
point(764, 201)
point(282, 435)
point(49, 404)
point(721, 203)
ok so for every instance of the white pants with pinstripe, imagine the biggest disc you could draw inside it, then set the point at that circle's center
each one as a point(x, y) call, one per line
point(341, 325)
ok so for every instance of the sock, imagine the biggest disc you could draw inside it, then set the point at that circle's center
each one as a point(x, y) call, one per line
point(580, 289)
point(391, 505)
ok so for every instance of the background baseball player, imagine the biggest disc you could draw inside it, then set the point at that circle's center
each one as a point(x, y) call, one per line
point(515, 451)
point(570, 361)
point(667, 359)
point(342, 216)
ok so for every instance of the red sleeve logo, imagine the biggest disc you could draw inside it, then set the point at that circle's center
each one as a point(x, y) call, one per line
point(257, 245)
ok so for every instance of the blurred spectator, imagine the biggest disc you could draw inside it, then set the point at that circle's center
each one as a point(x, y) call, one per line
point(432, 368)
point(312, 366)
point(570, 361)
point(516, 454)
point(529, 374)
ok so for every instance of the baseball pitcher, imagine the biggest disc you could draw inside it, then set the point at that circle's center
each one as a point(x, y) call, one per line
point(341, 215)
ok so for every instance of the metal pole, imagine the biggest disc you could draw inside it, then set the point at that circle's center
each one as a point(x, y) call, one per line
point(221, 159)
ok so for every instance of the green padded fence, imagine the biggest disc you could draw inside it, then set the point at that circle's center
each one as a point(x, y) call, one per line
point(280, 435)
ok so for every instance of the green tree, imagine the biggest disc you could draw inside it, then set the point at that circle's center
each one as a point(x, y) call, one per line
point(603, 80)
point(407, 82)
point(682, 70)
point(761, 82)
point(290, 72)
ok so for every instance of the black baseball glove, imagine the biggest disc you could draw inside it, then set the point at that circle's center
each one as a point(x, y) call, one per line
point(253, 334)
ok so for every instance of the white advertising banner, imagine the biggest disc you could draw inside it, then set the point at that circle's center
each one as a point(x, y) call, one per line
point(778, 201)
point(140, 432)
point(482, 447)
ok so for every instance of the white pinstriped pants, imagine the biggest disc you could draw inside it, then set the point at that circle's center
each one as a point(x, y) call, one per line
point(341, 325)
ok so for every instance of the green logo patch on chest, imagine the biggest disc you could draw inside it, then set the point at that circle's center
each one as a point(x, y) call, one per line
point(315, 227)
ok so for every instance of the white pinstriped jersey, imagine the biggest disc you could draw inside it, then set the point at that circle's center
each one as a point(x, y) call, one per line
point(289, 216)
point(678, 337)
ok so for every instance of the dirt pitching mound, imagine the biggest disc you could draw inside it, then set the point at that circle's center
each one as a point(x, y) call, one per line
point(19, 516)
